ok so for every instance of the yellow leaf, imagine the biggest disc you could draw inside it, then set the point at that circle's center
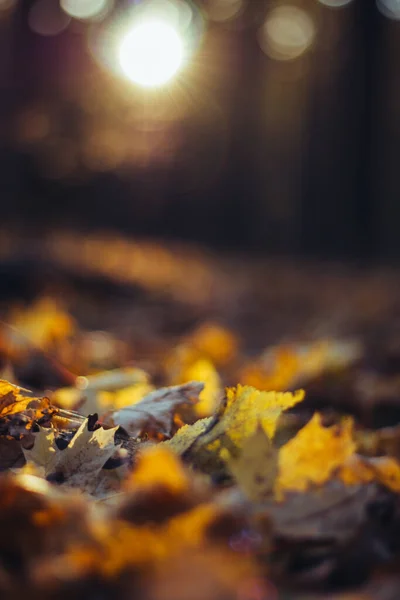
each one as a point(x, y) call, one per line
point(314, 454)
point(215, 342)
point(288, 365)
point(186, 436)
point(203, 370)
point(244, 410)
point(358, 469)
point(158, 466)
point(42, 324)
point(247, 407)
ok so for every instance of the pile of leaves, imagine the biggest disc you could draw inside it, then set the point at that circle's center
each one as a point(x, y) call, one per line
point(197, 472)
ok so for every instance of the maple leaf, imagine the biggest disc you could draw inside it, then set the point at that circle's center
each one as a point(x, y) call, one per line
point(19, 411)
point(80, 463)
point(314, 454)
point(160, 413)
point(243, 411)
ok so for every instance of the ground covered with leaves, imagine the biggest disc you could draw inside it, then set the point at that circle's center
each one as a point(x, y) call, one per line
point(163, 436)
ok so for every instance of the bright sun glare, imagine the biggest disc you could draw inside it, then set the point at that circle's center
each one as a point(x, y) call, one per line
point(151, 53)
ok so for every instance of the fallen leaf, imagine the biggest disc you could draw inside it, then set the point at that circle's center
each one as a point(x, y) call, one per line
point(159, 414)
point(256, 467)
point(158, 466)
point(359, 469)
point(203, 370)
point(244, 409)
point(80, 463)
point(19, 411)
point(333, 512)
point(314, 454)
point(288, 365)
point(187, 435)
point(104, 391)
point(44, 453)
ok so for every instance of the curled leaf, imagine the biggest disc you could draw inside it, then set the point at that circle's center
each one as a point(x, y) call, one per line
point(160, 414)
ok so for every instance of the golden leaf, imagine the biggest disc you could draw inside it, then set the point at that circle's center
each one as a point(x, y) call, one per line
point(288, 365)
point(186, 436)
point(245, 408)
point(314, 454)
point(158, 466)
point(203, 370)
point(358, 469)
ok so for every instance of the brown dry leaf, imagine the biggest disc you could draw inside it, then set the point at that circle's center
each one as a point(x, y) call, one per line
point(256, 468)
point(333, 512)
point(160, 414)
point(314, 454)
point(18, 411)
point(80, 463)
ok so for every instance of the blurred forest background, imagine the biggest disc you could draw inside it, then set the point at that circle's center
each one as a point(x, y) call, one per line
point(281, 135)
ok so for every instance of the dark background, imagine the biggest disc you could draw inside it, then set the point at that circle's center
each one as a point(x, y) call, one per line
point(243, 151)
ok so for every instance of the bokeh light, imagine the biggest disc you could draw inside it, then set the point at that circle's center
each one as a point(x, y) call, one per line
point(86, 9)
point(335, 3)
point(287, 33)
point(389, 8)
point(224, 10)
point(151, 53)
point(46, 18)
point(149, 43)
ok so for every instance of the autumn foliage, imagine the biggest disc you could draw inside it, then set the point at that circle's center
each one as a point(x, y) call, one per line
point(187, 482)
